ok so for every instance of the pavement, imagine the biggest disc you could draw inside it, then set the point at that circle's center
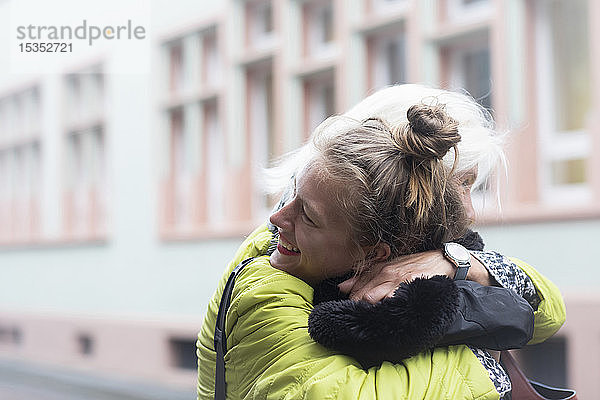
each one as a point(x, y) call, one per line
point(20, 381)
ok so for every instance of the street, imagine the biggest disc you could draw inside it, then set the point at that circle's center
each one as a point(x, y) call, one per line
point(20, 381)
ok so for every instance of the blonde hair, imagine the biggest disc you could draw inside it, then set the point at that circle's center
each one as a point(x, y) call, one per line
point(481, 146)
point(391, 182)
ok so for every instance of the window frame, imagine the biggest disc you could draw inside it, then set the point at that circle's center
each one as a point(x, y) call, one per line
point(458, 12)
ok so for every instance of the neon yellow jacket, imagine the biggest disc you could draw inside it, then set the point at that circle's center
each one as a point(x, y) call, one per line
point(271, 356)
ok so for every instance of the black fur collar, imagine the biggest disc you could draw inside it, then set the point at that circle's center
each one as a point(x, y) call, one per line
point(415, 319)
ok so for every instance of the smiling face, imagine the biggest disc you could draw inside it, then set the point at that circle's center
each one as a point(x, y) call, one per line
point(315, 241)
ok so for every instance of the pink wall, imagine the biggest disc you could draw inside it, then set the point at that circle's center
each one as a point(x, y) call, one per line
point(134, 348)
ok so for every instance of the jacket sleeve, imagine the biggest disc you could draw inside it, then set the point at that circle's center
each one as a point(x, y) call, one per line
point(490, 317)
point(509, 275)
point(271, 354)
point(550, 314)
point(539, 291)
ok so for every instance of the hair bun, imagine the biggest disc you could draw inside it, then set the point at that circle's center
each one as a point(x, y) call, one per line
point(429, 134)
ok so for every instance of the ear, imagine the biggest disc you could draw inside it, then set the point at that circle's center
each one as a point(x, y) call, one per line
point(381, 252)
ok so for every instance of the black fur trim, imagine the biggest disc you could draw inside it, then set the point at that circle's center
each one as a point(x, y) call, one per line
point(471, 240)
point(328, 289)
point(413, 320)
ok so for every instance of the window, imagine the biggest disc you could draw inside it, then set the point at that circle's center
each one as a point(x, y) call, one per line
point(26, 186)
point(85, 182)
point(319, 93)
point(192, 188)
point(211, 64)
point(20, 166)
point(259, 20)
point(181, 164)
point(261, 119)
point(388, 58)
point(84, 209)
point(85, 344)
point(215, 156)
point(466, 65)
point(176, 71)
point(571, 64)
point(183, 353)
point(260, 110)
point(319, 26)
point(563, 51)
point(11, 335)
point(475, 67)
point(84, 96)
point(5, 196)
point(469, 68)
point(30, 110)
point(572, 171)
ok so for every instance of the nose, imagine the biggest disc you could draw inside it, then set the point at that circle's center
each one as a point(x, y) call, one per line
point(284, 217)
point(468, 205)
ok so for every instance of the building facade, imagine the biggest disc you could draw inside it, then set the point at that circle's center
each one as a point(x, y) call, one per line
point(122, 196)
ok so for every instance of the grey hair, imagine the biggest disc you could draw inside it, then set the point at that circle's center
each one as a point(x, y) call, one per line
point(481, 145)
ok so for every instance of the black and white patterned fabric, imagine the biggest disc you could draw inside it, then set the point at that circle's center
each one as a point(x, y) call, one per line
point(273, 243)
point(509, 275)
point(287, 195)
point(497, 374)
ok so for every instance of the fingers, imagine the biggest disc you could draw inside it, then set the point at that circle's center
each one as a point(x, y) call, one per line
point(379, 282)
point(358, 282)
point(375, 294)
point(357, 286)
point(366, 288)
point(382, 279)
point(348, 284)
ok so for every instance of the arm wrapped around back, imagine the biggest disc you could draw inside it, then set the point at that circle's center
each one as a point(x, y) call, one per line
point(422, 314)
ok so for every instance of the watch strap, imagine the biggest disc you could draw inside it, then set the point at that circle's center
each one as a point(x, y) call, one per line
point(462, 269)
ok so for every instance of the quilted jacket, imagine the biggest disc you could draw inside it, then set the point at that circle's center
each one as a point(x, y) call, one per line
point(271, 355)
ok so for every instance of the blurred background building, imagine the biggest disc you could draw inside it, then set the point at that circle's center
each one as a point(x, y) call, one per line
point(122, 196)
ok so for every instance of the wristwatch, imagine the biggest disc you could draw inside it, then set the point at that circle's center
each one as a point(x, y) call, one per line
point(460, 257)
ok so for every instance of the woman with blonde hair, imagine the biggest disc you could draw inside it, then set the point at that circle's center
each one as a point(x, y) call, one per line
point(364, 192)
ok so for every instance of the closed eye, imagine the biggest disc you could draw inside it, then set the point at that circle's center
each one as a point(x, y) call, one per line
point(306, 218)
point(468, 179)
point(467, 183)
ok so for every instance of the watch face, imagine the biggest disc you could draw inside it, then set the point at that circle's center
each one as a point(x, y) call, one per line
point(458, 252)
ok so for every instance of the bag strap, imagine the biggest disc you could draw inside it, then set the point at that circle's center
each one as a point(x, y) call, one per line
point(220, 339)
point(524, 389)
